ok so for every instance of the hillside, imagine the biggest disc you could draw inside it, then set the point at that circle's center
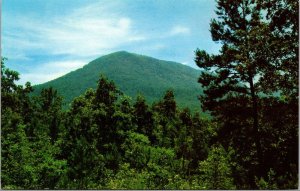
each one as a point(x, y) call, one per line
point(133, 74)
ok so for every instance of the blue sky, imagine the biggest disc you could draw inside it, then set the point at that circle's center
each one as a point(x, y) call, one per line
point(46, 39)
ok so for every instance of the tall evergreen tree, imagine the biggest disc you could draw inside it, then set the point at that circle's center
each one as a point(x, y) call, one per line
point(85, 159)
point(235, 80)
point(105, 108)
point(215, 171)
point(143, 117)
point(165, 118)
point(49, 106)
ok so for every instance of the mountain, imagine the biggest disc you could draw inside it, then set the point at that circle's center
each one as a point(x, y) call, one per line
point(132, 74)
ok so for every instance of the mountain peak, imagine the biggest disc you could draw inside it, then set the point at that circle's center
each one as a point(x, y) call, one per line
point(125, 55)
point(133, 74)
point(121, 52)
point(118, 55)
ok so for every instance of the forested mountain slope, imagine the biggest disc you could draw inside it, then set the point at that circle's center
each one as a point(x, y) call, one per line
point(133, 74)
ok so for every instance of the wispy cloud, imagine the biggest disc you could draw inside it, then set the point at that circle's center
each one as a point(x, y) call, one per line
point(88, 30)
point(50, 70)
point(38, 78)
point(84, 33)
point(179, 30)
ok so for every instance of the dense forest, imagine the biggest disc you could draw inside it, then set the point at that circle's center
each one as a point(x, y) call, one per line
point(108, 140)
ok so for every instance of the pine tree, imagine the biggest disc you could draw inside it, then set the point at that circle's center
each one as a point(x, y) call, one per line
point(215, 171)
point(257, 66)
point(165, 118)
point(85, 160)
point(143, 117)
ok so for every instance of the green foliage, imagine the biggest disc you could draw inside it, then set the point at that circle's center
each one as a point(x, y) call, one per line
point(16, 153)
point(129, 178)
point(269, 184)
point(143, 117)
point(45, 165)
point(215, 171)
point(281, 44)
point(165, 120)
point(137, 150)
point(28, 159)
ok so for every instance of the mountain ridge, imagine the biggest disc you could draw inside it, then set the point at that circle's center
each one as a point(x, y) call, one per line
point(133, 74)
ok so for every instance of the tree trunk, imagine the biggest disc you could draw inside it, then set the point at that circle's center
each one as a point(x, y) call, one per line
point(256, 134)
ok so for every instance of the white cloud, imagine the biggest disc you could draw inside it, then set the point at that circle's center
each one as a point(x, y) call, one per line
point(64, 65)
point(179, 30)
point(49, 71)
point(86, 31)
point(174, 31)
point(90, 36)
point(35, 78)
point(82, 34)
point(153, 47)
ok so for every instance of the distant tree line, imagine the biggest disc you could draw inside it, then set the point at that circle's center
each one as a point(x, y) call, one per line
point(105, 140)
